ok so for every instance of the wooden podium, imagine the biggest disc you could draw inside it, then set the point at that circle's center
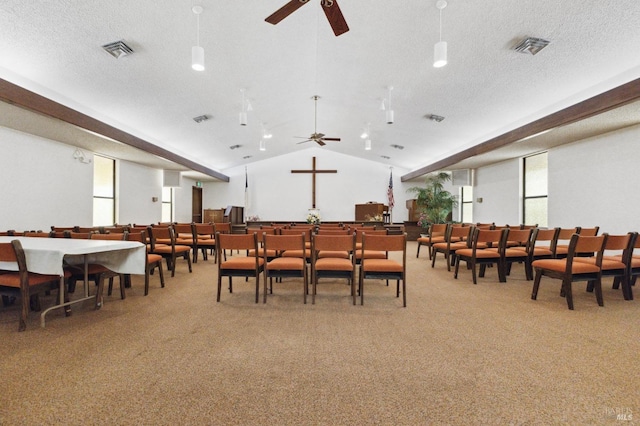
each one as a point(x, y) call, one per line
point(364, 212)
point(414, 213)
point(213, 216)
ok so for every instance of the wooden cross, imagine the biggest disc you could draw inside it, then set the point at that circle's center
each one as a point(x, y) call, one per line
point(313, 172)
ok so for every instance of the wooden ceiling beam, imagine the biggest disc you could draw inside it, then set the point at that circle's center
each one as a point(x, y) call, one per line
point(598, 104)
point(19, 96)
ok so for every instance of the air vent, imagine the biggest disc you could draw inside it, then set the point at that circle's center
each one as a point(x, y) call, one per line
point(436, 118)
point(235, 146)
point(396, 146)
point(118, 49)
point(201, 118)
point(531, 45)
point(246, 157)
point(386, 157)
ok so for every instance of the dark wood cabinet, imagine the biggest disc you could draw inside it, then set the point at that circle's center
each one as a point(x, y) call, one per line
point(366, 212)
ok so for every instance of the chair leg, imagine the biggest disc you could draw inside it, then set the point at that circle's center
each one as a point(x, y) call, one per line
point(473, 271)
point(598, 288)
point(455, 271)
point(122, 292)
point(566, 286)
point(418, 252)
point(219, 288)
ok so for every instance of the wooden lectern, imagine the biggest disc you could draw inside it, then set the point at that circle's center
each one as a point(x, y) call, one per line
point(414, 212)
point(366, 211)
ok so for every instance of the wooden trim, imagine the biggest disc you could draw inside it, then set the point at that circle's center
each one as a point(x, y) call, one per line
point(598, 104)
point(26, 99)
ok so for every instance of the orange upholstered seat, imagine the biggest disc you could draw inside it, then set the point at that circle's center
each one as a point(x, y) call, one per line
point(238, 266)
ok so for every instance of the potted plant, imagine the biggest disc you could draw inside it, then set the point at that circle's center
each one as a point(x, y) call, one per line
point(434, 202)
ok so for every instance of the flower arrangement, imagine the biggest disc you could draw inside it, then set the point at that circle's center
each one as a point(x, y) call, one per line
point(313, 218)
point(254, 218)
point(423, 221)
point(374, 218)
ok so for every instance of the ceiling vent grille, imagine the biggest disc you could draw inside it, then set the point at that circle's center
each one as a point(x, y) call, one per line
point(436, 118)
point(118, 49)
point(531, 45)
point(201, 118)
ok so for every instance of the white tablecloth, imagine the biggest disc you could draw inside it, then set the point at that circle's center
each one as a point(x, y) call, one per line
point(46, 255)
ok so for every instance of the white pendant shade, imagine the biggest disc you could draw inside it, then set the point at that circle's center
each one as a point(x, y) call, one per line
point(243, 118)
point(367, 145)
point(197, 58)
point(389, 116)
point(263, 146)
point(440, 54)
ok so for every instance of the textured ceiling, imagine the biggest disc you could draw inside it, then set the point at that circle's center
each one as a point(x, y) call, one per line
point(53, 48)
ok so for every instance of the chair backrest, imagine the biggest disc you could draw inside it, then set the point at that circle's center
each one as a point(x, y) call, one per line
point(544, 236)
point(620, 243)
point(521, 237)
point(284, 242)
point(80, 235)
point(206, 230)
point(564, 235)
point(112, 236)
point(298, 231)
point(437, 229)
point(12, 253)
point(580, 244)
point(490, 237)
point(588, 232)
point(139, 236)
point(459, 233)
point(333, 231)
point(161, 233)
point(38, 234)
point(236, 241)
point(370, 231)
point(222, 227)
point(329, 242)
point(183, 230)
point(376, 242)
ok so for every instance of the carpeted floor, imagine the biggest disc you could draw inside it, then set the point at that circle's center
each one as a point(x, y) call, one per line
point(458, 354)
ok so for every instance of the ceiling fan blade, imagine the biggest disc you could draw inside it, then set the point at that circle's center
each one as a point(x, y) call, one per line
point(285, 11)
point(335, 17)
point(331, 139)
point(308, 140)
point(320, 142)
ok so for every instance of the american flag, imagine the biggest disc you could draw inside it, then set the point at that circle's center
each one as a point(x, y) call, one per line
point(390, 199)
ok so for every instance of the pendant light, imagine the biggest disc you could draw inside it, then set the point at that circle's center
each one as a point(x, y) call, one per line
point(197, 51)
point(389, 113)
point(440, 48)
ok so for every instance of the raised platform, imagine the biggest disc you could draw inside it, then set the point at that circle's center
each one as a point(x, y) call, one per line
point(394, 228)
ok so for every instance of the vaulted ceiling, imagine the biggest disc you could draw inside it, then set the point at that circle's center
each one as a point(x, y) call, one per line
point(487, 89)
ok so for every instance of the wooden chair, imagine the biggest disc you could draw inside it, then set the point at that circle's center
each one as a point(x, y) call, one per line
point(238, 266)
point(568, 270)
point(153, 261)
point(385, 269)
point(221, 228)
point(22, 283)
point(204, 235)
point(560, 246)
point(333, 264)
point(616, 261)
point(456, 237)
point(108, 274)
point(517, 249)
point(94, 270)
point(169, 250)
point(494, 240)
point(369, 254)
point(299, 230)
point(283, 266)
point(435, 234)
point(184, 237)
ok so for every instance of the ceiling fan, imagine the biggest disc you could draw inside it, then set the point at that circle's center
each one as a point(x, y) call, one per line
point(315, 136)
point(330, 7)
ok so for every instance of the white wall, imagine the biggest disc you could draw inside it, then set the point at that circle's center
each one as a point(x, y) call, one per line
point(591, 183)
point(137, 185)
point(276, 194)
point(42, 184)
point(595, 182)
point(499, 187)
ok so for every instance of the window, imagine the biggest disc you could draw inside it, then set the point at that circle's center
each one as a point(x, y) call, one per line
point(535, 190)
point(167, 204)
point(104, 190)
point(466, 206)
